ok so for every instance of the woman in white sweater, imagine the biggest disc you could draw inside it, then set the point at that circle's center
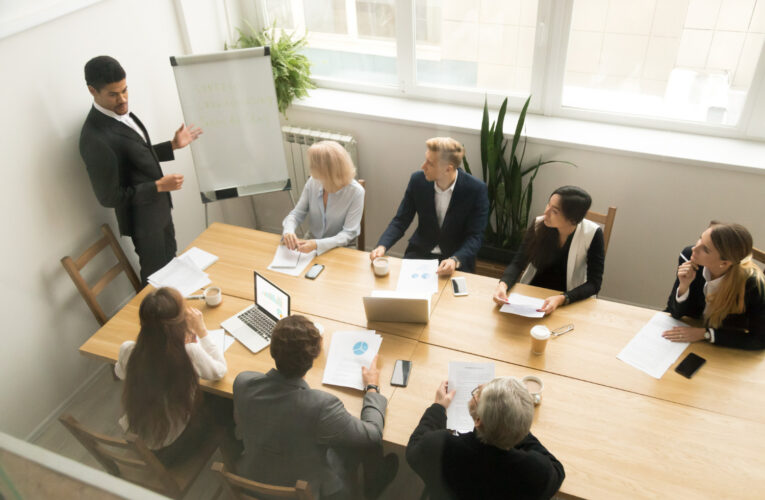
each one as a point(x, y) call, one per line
point(162, 401)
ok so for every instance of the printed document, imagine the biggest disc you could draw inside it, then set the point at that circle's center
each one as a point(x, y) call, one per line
point(418, 276)
point(523, 305)
point(648, 351)
point(182, 274)
point(200, 258)
point(220, 338)
point(348, 352)
point(290, 262)
point(464, 377)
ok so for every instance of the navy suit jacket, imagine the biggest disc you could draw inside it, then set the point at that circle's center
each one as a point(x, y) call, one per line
point(462, 232)
point(123, 168)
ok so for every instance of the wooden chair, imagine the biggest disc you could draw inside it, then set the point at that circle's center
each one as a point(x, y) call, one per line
point(89, 293)
point(758, 255)
point(608, 223)
point(360, 241)
point(132, 460)
point(245, 489)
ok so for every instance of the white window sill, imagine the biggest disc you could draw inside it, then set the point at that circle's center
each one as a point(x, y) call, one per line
point(715, 152)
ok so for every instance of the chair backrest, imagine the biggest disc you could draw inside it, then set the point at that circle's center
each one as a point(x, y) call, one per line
point(608, 223)
point(127, 458)
point(361, 239)
point(758, 255)
point(74, 266)
point(245, 489)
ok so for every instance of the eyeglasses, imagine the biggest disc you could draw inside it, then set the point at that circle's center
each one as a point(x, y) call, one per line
point(475, 392)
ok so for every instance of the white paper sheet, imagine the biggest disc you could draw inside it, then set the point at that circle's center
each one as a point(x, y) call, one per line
point(289, 261)
point(348, 352)
point(182, 274)
point(523, 305)
point(220, 338)
point(464, 377)
point(200, 258)
point(651, 353)
point(418, 276)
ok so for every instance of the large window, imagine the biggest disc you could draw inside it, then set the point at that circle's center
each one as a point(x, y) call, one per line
point(688, 64)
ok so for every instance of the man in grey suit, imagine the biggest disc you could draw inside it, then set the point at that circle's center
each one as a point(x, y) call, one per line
point(123, 165)
point(293, 432)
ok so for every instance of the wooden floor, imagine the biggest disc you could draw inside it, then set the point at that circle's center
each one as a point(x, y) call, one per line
point(98, 407)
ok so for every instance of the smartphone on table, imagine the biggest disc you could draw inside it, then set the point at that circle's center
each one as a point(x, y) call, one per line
point(401, 371)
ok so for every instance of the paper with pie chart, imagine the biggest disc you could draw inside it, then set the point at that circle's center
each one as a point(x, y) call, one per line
point(418, 276)
point(348, 352)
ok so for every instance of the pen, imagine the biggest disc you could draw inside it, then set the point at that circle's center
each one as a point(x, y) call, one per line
point(685, 259)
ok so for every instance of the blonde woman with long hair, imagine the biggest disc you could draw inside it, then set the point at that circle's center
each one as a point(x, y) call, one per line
point(718, 282)
point(332, 200)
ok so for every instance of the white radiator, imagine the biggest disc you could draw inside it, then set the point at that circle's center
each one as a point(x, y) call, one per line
point(297, 140)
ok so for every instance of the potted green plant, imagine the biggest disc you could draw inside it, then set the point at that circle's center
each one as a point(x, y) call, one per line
point(292, 70)
point(509, 197)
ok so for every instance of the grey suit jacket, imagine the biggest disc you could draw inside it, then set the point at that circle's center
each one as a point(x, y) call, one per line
point(287, 428)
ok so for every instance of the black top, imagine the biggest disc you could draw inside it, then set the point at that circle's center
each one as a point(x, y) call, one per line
point(553, 276)
point(463, 467)
point(744, 331)
point(460, 235)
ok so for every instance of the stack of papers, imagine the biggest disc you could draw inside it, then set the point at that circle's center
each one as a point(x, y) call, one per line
point(222, 341)
point(418, 277)
point(290, 262)
point(523, 305)
point(464, 377)
point(648, 351)
point(348, 352)
point(181, 273)
point(201, 259)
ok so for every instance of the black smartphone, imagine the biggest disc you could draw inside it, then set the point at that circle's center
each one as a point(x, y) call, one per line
point(690, 365)
point(314, 271)
point(401, 371)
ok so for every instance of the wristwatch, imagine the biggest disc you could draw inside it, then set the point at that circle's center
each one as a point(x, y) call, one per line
point(566, 299)
point(457, 261)
point(372, 386)
point(707, 335)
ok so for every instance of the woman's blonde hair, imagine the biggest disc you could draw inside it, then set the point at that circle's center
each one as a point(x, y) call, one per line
point(734, 244)
point(331, 165)
point(448, 150)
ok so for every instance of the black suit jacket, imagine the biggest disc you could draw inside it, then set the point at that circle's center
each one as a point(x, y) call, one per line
point(744, 331)
point(123, 169)
point(460, 235)
point(463, 467)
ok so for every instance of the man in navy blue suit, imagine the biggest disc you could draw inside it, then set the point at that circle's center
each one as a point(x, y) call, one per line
point(452, 210)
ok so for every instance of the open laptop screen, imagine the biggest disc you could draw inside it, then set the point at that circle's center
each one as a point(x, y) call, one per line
point(270, 299)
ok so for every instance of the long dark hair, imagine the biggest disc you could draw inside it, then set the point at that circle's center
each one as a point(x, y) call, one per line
point(161, 383)
point(542, 241)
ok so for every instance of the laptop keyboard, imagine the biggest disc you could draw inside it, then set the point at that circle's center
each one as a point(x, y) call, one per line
point(260, 323)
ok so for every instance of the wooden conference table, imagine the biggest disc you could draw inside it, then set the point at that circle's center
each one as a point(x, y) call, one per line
point(618, 432)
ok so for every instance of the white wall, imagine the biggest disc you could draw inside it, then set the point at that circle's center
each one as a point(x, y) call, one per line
point(48, 201)
point(662, 206)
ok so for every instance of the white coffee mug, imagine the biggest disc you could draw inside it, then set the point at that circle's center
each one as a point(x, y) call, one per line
point(213, 296)
point(380, 266)
point(534, 385)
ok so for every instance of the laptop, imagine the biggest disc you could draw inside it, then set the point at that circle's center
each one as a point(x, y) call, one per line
point(253, 325)
point(393, 306)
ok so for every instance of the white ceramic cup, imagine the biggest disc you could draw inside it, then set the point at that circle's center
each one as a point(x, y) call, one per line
point(540, 334)
point(534, 385)
point(381, 266)
point(213, 296)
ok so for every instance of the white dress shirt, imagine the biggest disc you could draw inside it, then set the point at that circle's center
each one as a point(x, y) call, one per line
point(442, 199)
point(334, 226)
point(126, 119)
point(710, 285)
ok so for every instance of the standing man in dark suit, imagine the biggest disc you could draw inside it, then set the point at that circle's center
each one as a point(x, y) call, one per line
point(452, 210)
point(123, 165)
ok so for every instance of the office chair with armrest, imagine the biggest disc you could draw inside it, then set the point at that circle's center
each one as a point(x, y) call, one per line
point(758, 255)
point(608, 223)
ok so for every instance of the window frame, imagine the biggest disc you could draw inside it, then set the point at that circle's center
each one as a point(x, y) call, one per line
point(553, 27)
